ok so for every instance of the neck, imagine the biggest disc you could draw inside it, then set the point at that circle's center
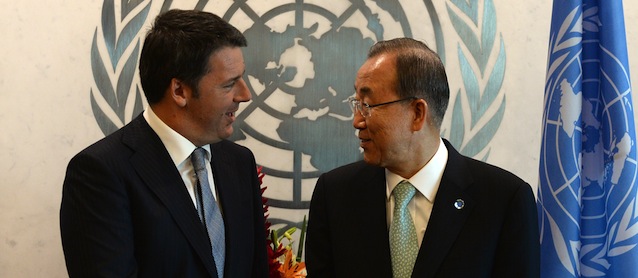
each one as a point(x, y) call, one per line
point(174, 119)
point(417, 156)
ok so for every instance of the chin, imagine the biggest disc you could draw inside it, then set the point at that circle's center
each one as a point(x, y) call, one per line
point(370, 159)
point(224, 134)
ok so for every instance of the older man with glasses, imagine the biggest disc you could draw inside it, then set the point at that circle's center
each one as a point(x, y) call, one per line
point(415, 207)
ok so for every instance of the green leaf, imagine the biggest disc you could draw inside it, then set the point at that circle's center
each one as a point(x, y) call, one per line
point(302, 239)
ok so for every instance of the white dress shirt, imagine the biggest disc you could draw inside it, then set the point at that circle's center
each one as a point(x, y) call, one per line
point(180, 149)
point(426, 181)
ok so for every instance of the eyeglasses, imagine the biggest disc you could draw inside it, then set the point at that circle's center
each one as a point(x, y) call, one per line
point(366, 109)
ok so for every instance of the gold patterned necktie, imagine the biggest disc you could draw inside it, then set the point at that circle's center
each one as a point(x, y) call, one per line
point(403, 242)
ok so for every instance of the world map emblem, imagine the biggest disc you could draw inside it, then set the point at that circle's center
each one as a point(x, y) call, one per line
point(302, 59)
point(300, 81)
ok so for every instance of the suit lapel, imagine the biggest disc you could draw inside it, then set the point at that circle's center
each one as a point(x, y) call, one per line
point(224, 182)
point(446, 220)
point(232, 199)
point(154, 165)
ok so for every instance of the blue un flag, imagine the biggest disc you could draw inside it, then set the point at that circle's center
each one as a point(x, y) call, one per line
point(587, 185)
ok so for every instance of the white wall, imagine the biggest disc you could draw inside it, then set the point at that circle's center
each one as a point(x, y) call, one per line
point(45, 113)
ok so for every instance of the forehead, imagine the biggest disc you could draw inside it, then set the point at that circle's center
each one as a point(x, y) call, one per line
point(226, 62)
point(377, 76)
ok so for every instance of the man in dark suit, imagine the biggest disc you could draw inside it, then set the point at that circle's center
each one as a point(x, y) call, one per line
point(130, 201)
point(415, 207)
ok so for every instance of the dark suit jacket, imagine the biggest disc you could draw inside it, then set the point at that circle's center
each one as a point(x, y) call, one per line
point(494, 235)
point(126, 211)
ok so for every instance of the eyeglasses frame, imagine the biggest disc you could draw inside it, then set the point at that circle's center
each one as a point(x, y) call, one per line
point(357, 105)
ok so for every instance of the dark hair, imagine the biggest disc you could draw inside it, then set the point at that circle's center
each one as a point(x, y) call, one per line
point(420, 73)
point(178, 45)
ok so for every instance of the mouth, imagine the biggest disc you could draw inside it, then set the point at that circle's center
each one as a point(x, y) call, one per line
point(363, 141)
point(230, 116)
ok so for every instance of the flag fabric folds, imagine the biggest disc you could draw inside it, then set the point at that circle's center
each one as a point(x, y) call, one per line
point(587, 191)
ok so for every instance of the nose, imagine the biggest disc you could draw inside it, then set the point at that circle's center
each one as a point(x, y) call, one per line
point(358, 121)
point(242, 94)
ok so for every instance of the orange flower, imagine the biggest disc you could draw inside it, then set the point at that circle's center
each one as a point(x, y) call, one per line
point(290, 268)
point(278, 267)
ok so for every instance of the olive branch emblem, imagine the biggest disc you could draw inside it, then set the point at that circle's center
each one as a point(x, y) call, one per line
point(112, 103)
point(472, 133)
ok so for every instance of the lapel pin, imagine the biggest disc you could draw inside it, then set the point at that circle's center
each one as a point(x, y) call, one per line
point(459, 204)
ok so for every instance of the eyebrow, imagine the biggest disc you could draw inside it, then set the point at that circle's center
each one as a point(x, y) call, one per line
point(364, 90)
point(236, 77)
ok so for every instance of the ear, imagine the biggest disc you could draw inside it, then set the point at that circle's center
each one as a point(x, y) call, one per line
point(179, 92)
point(420, 107)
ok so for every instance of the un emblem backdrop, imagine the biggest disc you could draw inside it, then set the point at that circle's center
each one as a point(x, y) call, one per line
point(302, 58)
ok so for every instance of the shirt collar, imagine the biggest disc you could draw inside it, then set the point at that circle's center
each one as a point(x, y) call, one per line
point(427, 179)
point(178, 147)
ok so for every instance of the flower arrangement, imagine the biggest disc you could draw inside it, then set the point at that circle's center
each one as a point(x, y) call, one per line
point(282, 262)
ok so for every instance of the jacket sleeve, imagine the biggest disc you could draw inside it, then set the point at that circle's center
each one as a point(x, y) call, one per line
point(319, 261)
point(95, 221)
point(518, 250)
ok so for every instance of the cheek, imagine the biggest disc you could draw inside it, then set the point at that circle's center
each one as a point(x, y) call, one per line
point(217, 105)
point(389, 134)
point(381, 127)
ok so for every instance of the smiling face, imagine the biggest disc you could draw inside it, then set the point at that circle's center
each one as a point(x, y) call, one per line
point(211, 111)
point(385, 135)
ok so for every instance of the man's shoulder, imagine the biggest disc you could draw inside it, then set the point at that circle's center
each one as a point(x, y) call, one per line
point(230, 147)
point(480, 170)
point(350, 169)
point(352, 174)
point(484, 170)
point(114, 143)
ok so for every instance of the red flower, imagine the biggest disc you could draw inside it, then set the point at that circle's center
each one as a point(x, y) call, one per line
point(276, 250)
